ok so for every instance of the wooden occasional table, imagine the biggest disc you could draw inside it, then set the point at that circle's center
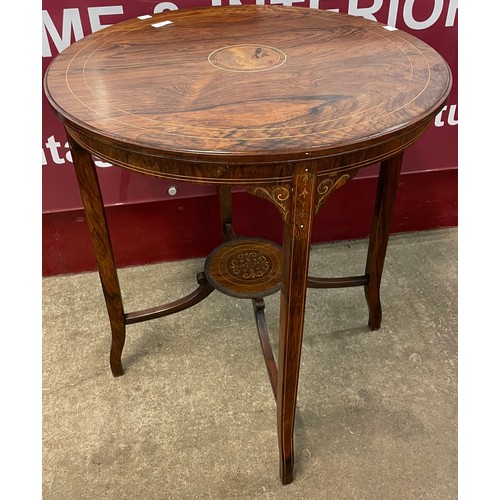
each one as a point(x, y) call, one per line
point(286, 101)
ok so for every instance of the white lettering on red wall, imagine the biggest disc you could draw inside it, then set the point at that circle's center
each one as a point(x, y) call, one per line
point(72, 29)
point(409, 17)
point(447, 116)
point(61, 154)
point(370, 11)
point(72, 26)
point(163, 6)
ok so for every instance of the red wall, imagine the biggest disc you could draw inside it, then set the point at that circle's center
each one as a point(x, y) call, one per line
point(148, 225)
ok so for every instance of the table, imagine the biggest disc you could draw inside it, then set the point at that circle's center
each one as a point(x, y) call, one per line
point(287, 102)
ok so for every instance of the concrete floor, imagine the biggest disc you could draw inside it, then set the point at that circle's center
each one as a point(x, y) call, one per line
point(194, 417)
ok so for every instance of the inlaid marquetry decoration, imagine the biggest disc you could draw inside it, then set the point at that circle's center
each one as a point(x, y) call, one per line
point(329, 184)
point(245, 268)
point(247, 58)
point(304, 194)
point(279, 195)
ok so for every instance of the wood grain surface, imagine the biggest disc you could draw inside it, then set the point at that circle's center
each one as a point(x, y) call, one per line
point(287, 101)
point(245, 268)
point(247, 83)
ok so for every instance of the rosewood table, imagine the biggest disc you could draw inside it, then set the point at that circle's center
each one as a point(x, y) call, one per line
point(287, 102)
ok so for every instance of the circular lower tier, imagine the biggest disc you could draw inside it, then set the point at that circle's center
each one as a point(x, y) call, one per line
point(245, 268)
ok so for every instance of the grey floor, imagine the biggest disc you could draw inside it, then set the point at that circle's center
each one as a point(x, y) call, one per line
point(194, 417)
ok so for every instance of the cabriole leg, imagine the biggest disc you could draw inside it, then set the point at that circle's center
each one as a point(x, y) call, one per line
point(296, 243)
point(96, 219)
point(381, 226)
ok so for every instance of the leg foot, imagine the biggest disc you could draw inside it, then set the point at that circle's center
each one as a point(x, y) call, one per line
point(374, 310)
point(115, 356)
point(286, 470)
point(116, 369)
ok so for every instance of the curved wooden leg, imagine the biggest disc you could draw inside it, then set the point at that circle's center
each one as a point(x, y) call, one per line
point(96, 219)
point(267, 350)
point(296, 242)
point(381, 226)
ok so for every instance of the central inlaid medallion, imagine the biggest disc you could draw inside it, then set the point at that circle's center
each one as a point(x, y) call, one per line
point(249, 265)
point(245, 268)
point(247, 58)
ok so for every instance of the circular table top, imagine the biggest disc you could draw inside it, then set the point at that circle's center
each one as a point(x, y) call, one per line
point(250, 82)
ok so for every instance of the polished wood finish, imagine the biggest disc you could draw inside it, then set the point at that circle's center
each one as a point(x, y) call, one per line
point(202, 292)
point(379, 237)
point(287, 102)
point(95, 214)
point(226, 212)
point(265, 343)
point(296, 243)
point(343, 282)
point(245, 268)
point(346, 83)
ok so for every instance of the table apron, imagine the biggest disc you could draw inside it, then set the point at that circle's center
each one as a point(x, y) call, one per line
point(219, 172)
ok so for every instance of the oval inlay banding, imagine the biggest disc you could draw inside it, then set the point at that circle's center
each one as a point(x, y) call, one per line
point(247, 58)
